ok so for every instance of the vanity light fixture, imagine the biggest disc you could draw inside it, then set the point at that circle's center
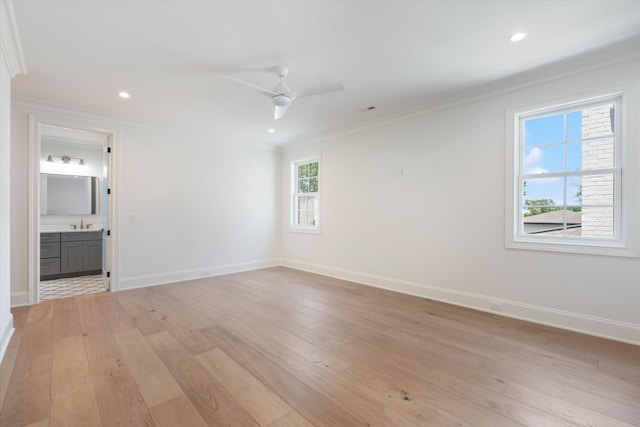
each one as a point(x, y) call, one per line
point(123, 94)
point(65, 159)
point(271, 130)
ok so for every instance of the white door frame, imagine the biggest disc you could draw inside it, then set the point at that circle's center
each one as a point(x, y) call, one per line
point(78, 121)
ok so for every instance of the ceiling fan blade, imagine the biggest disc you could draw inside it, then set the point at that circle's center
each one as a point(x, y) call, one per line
point(319, 90)
point(279, 112)
point(263, 91)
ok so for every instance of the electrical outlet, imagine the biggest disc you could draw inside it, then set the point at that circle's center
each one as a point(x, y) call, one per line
point(495, 306)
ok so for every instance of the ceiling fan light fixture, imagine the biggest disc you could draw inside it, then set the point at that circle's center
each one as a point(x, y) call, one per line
point(281, 100)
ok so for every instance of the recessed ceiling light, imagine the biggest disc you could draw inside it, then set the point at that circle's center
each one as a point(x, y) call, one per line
point(123, 94)
point(516, 37)
point(271, 130)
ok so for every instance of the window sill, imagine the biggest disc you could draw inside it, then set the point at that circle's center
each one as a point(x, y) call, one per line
point(304, 230)
point(606, 249)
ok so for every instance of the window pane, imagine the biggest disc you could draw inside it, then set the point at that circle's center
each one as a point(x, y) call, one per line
point(303, 186)
point(574, 125)
point(312, 206)
point(574, 191)
point(543, 193)
point(574, 156)
point(597, 222)
point(303, 171)
point(302, 203)
point(539, 160)
point(597, 190)
point(551, 221)
point(313, 185)
point(544, 130)
point(313, 169)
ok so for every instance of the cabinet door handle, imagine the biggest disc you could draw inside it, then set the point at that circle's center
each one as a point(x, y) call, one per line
point(44, 250)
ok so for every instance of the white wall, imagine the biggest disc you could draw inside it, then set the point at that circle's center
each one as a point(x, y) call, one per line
point(202, 208)
point(11, 64)
point(438, 231)
point(6, 319)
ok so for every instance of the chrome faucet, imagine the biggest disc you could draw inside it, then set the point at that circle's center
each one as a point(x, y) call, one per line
point(81, 224)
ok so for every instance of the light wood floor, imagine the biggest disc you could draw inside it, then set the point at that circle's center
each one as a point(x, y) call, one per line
point(279, 347)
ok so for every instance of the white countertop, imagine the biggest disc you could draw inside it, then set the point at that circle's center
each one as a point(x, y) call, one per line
point(68, 228)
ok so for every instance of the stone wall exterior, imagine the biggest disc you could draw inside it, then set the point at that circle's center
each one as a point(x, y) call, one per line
point(597, 190)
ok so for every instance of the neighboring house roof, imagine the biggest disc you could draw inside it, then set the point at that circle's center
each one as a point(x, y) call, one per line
point(554, 217)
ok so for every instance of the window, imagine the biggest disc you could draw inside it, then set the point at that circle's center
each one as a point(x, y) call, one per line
point(306, 196)
point(567, 178)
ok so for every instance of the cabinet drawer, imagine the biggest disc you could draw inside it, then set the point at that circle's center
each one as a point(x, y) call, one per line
point(49, 266)
point(49, 250)
point(49, 237)
point(81, 236)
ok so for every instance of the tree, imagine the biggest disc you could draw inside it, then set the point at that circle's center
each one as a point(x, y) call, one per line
point(539, 206)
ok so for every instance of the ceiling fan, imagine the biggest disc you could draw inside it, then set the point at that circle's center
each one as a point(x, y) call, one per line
point(282, 96)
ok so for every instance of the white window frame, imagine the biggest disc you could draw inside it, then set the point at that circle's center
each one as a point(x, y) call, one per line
point(625, 240)
point(294, 226)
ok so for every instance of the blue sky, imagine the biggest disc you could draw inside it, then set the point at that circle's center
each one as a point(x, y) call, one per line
point(545, 153)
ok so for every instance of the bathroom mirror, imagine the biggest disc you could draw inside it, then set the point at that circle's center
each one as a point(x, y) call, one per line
point(69, 194)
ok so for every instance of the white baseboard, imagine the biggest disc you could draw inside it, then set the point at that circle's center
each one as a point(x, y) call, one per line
point(19, 299)
point(590, 325)
point(5, 336)
point(182, 276)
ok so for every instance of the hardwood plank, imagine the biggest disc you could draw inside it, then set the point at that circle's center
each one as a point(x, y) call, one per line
point(91, 318)
point(70, 368)
point(572, 413)
point(280, 347)
point(323, 378)
point(40, 423)
point(36, 339)
point(20, 315)
point(42, 311)
point(75, 407)
point(100, 345)
point(309, 403)
point(196, 311)
point(214, 403)
point(114, 314)
point(255, 397)
point(141, 312)
point(178, 411)
point(29, 394)
point(292, 419)
point(153, 379)
point(66, 320)
point(185, 331)
point(8, 362)
point(119, 400)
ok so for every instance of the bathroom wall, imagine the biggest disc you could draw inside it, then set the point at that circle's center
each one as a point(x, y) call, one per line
point(92, 154)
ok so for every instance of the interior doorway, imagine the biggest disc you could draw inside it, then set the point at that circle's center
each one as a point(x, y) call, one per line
point(71, 209)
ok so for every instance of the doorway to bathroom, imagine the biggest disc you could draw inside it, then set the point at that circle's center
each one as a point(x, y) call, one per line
point(71, 248)
point(74, 207)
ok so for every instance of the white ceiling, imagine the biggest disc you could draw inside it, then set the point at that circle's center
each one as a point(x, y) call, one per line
point(394, 55)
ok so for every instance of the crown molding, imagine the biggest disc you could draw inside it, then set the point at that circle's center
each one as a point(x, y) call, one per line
point(32, 105)
point(10, 44)
point(624, 52)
